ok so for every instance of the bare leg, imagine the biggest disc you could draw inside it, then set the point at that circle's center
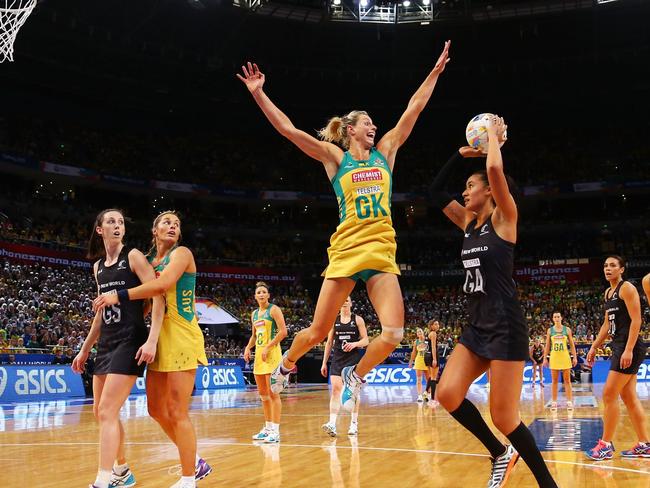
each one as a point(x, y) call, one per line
point(263, 391)
point(386, 297)
point(635, 409)
point(613, 387)
point(115, 391)
point(566, 379)
point(555, 376)
point(330, 300)
point(181, 384)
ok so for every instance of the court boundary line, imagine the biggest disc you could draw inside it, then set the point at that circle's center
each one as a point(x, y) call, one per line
point(320, 446)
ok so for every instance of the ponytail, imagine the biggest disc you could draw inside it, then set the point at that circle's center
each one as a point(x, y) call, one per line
point(336, 130)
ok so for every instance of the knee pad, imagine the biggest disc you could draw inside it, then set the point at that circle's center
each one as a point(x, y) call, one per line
point(392, 335)
point(265, 398)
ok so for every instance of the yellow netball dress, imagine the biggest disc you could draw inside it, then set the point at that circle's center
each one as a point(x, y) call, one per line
point(560, 358)
point(421, 349)
point(180, 345)
point(364, 242)
point(265, 331)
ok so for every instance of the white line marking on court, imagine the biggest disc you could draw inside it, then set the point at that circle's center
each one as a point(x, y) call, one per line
point(319, 446)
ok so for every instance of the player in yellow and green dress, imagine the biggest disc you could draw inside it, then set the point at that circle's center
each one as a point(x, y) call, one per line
point(558, 341)
point(420, 349)
point(171, 376)
point(363, 246)
point(268, 330)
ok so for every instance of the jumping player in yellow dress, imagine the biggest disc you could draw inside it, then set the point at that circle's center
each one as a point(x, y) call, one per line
point(363, 246)
point(420, 349)
point(171, 376)
point(558, 340)
point(268, 330)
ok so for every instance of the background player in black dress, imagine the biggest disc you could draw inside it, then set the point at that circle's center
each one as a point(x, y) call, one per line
point(431, 360)
point(344, 340)
point(496, 336)
point(537, 358)
point(125, 345)
point(623, 323)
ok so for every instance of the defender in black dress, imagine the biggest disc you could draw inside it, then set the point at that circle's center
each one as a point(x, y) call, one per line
point(344, 344)
point(125, 344)
point(431, 360)
point(537, 358)
point(496, 336)
point(623, 323)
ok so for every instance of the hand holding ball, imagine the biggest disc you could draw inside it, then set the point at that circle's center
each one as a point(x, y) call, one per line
point(477, 132)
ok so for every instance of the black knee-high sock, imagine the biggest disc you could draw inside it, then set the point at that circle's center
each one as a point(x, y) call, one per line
point(470, 418)
point(428, 388)
point(434, 383)
point(524, 442)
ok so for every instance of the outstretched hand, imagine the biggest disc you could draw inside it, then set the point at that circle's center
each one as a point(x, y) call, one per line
point(253, 78)
point(497, 127)
point(443, 59)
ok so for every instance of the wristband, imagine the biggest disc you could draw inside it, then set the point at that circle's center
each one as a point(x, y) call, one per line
point(123, 295)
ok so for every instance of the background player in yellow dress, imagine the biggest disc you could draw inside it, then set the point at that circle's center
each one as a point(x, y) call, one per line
point(420, 348)
point(363, 246)
point(268, 330)
point(558, 340)
point(171, 376)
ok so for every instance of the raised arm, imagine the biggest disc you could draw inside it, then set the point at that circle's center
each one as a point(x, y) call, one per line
point(394, 138)
point(505, 203)
point(327, 153)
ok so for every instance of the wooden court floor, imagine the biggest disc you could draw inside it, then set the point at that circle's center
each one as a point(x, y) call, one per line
point(400, 443)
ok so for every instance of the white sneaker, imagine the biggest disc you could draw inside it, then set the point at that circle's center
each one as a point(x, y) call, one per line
point(272, 438)
point(420, 399)
point(186, 484)
point(354, 429)
point(553, 406)
point(330, 429)
point(279, 381)
point(262, 434)
point(502, 467)
point(569, 405)
point(351, 388)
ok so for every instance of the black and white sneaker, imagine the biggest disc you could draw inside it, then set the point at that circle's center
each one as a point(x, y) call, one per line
point(502, 467)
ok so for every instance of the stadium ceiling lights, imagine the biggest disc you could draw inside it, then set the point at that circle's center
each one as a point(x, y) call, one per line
point(381, 12)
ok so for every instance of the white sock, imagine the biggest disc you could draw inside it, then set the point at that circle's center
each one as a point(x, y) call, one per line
point(355, 417)
point(275, 427)
point(120, 469)
point(267, 425)
point(188, 480)
point(103, 477)
point(333, 418)
point(197, 458)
